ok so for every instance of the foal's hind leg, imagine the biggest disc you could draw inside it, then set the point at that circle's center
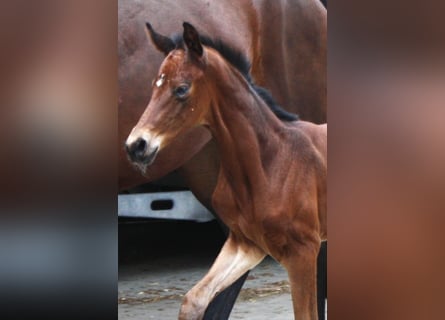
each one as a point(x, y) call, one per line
point(302, 269)
point(236, 257)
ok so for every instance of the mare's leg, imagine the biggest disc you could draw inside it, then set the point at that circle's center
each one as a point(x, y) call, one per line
point(220, 307)
point(236, 257)
point(322, 280)
point(302, 269)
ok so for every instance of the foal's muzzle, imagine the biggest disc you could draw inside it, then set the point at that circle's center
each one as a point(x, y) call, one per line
point(140, 151)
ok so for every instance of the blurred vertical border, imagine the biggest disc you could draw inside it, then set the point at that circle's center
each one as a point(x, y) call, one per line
point(386, 204)
point(58, 133)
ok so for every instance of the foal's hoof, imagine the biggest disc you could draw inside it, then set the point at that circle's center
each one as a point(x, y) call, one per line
point(191, 310)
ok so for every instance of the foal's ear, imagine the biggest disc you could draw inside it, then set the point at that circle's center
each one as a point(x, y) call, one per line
point(191, 40)
point(162, 43)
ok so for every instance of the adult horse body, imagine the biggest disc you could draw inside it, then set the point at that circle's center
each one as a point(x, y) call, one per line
point(295, 33)
point(271, 188)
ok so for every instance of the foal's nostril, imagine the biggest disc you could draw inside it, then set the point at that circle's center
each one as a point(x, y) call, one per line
point(136, 150)
point(140, 147)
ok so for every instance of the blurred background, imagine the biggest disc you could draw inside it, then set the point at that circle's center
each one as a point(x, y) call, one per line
point(58, 120)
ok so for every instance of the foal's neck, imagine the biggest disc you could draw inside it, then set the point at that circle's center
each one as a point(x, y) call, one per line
point(246, 130)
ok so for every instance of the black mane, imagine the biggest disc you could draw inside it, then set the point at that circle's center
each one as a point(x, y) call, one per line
point(242, 64)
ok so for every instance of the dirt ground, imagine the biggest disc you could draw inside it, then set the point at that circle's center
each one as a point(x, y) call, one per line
point(151, 285)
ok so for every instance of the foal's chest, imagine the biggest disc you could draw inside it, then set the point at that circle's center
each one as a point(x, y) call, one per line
point(243, 217)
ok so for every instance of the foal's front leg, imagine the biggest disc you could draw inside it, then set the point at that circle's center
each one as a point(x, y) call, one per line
point(236, 257)
point(302, 269)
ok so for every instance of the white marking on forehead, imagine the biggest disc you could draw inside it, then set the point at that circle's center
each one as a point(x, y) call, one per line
point(161, 80)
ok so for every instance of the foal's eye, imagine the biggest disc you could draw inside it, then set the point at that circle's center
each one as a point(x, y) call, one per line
point(181, 91)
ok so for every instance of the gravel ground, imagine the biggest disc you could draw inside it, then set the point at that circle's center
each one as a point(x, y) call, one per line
point(155, 290)
point(152, 285)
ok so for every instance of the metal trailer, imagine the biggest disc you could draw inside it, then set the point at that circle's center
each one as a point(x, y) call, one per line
point(175, 205)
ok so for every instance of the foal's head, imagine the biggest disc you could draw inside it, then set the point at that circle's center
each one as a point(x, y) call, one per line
point(179, 99)
point(188, 82)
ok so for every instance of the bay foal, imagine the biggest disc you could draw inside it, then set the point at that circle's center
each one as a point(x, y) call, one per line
point(271, 189)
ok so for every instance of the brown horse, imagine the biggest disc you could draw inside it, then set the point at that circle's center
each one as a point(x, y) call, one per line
point(271, 188)
point(284, 40)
